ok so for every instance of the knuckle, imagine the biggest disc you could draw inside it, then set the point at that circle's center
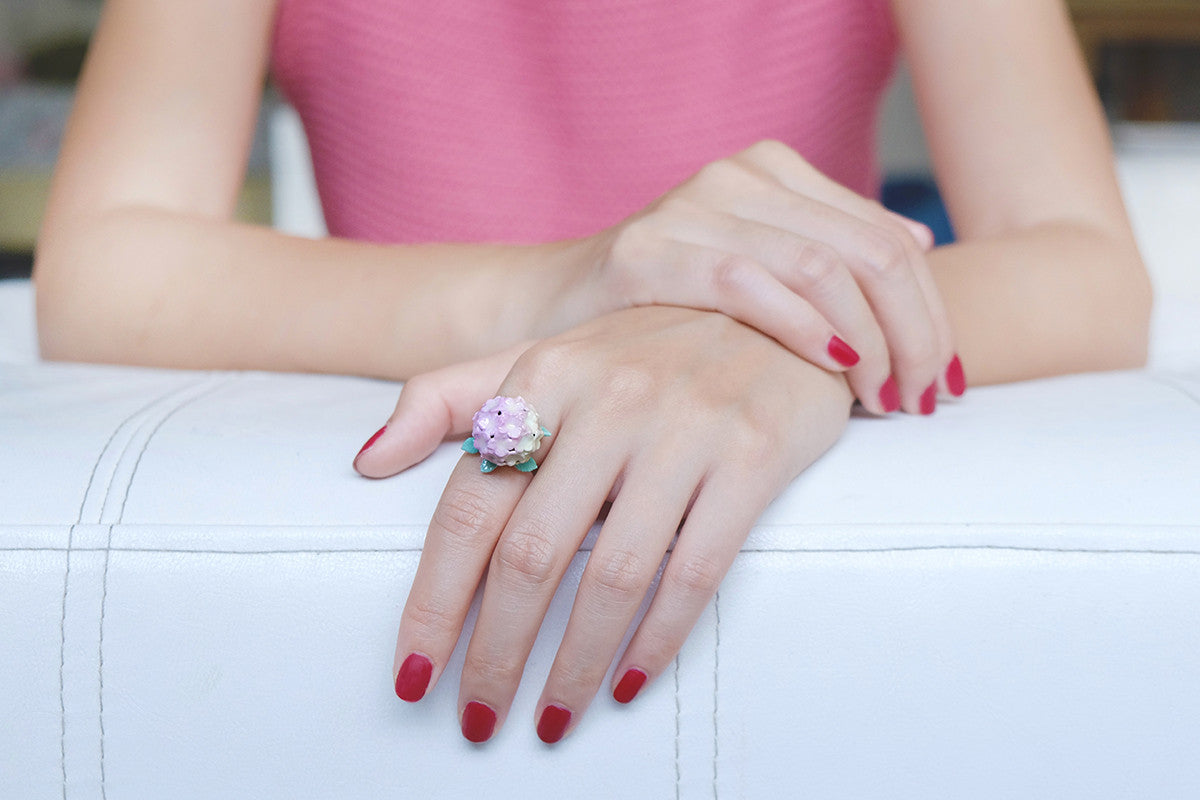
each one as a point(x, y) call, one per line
point(542, 365)
point(670, 209)
point(660, 647)
point(756, 445)
point(492, 667)
point(733, 275)
point(759, 445)
point(818, 262)
point(430, 619)
point(886, 256)
point(698, 576)
point(621, 575)
point(580, 673)
point(718, 174)
point(528, 553)
point(635, 241)
point(417, 385)
point(462, 516)
point(628, 386)
point(770, 149)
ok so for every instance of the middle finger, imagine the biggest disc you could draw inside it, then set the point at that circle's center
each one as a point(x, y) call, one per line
point(622, 565)
point(531, 556)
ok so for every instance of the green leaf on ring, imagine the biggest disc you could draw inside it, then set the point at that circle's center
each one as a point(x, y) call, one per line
point(486, 466)
point(546, 432)
point(469, 446)
point(527, 466)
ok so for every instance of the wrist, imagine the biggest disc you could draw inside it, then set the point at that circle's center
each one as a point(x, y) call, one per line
point(569, 288)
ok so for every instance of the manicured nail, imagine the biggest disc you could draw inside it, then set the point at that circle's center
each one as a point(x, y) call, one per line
point(889, 395)
point(478, 721)
point(929, 399)
point(553, 724)
point(956, 381)
point(629, 685)
point(413, 678)
point(842, 353)
point(371, 441)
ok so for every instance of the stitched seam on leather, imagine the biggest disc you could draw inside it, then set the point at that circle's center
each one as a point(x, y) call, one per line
point(100, 457)
point(777, 550)
point(62, 662)
point(62, 623)
point(183, 403)
point(1171, 383)
point(62, 654)
point(100, 654)
point(108, 548)
point(95, 466)
point(108, 490)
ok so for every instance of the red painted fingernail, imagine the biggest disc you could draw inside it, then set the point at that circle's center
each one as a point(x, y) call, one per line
point(629, 685)
point(889, 395)
point(371, 441)
point(956, 381)
point(478, 721)
point(413, 678)
point(553, 724)
point(929, 399)
point(842, 353)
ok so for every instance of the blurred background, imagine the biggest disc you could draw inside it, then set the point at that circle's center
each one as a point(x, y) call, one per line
point(1144, 56)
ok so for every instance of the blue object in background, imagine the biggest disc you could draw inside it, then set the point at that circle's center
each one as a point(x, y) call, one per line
point(917, 197)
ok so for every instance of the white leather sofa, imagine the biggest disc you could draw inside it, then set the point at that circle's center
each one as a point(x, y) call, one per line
point(198, 596)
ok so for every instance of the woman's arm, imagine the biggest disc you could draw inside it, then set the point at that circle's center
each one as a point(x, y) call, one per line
point(1047, 278)
point(139, 261)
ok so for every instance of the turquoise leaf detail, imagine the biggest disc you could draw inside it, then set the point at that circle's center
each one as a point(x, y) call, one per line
point(469, 447)
point(486, 466)
point(527, 466)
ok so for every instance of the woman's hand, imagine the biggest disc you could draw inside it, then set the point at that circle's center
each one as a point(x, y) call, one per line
point(766, 239)
point(667, 412)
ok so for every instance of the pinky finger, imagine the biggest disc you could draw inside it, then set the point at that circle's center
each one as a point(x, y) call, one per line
point(708, 543)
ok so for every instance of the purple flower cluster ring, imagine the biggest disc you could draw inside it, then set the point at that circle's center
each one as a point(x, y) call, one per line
point(505, 432)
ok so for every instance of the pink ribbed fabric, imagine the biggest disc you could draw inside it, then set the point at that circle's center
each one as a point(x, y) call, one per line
point(537, 120)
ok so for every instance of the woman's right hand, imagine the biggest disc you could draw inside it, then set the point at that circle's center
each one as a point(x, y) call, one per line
point(766, 239)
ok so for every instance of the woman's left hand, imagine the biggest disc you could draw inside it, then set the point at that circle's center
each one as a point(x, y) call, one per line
point(667, 412)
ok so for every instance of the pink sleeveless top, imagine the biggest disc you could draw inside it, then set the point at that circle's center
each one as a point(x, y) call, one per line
point(536, 120)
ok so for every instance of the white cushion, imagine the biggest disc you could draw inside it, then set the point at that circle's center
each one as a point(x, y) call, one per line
point(198, 598)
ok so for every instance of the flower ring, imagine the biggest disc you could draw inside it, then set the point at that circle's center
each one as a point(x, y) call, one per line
point(505, 432)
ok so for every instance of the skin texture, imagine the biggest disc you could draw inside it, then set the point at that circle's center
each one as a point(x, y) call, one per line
point(139, 262)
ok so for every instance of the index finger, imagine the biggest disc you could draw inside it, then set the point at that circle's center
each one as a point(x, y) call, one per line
point(472, 512)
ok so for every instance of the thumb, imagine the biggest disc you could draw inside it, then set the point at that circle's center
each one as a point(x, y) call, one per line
point(432, 407)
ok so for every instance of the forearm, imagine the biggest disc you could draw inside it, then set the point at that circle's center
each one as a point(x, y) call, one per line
point(153, 287)
point(1056, 298)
